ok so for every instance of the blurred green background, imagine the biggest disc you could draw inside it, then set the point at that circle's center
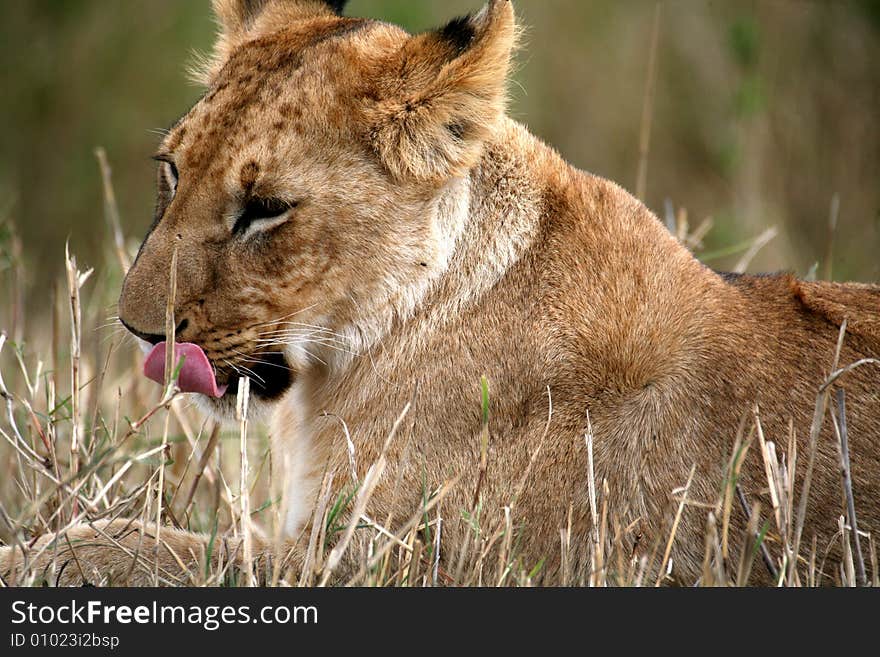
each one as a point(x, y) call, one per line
point(763, 111)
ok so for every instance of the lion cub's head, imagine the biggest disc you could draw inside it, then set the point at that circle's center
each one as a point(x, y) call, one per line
point(317, 188)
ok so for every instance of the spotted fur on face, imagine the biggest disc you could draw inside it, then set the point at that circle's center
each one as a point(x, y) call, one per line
point(301, 192)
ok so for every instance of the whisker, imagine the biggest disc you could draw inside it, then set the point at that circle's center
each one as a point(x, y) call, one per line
point(296, 330)
point(241, 369)
point(290, 339)
point(257, 361)
point(300, 331)
point(262, 353)
point(317, 358)
point(122, 337)
point(315, 327)
point(114, 325)
point(279, 319)
point(305, 340)
point(265, 364)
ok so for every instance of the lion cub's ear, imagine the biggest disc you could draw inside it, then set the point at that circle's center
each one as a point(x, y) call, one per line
point(442, 95)
point(237, 16)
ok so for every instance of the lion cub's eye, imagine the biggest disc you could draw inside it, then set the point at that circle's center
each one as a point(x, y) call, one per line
point(262, 214)
point(171, 175)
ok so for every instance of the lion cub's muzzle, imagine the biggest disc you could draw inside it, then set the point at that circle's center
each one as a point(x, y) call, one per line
point(215, 371)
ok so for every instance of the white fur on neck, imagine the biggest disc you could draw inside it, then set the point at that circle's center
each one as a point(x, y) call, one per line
point(298, 461)
point(450, 216)
point(498, 235)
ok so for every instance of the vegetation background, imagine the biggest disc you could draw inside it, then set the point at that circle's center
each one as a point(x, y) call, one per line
point(761, 113)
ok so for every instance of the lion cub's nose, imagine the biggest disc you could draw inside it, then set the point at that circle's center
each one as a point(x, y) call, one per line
point(153, 338)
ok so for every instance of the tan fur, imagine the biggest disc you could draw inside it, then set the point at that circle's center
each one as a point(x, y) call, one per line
point(437, 241)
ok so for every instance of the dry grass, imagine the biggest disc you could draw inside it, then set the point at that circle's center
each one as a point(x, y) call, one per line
point(85, 437)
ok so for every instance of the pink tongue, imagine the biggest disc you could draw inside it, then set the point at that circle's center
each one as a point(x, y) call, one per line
point(196, 375)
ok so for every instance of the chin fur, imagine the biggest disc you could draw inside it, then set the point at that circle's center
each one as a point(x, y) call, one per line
point(224, 409)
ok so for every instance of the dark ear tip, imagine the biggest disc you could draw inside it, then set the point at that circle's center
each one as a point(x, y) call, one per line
point(336, 5)
point(459, 32)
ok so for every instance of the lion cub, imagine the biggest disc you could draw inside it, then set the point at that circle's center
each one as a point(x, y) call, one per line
point(361, 229)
